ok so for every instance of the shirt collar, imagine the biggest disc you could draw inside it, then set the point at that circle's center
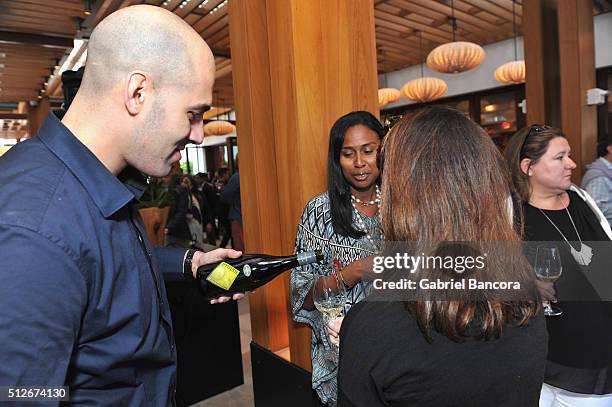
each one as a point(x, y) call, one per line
point(107, 191)
point(608, 163)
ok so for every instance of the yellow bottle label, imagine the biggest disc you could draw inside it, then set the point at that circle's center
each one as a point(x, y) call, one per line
point(223, 275)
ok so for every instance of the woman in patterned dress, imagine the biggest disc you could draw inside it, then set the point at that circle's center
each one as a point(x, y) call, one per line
point(343, 222)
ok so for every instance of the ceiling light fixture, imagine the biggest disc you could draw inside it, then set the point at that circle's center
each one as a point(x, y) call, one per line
point(425, 88)
point(455, 56)
point(88, 8)
point(514, 71)
point(387, 95)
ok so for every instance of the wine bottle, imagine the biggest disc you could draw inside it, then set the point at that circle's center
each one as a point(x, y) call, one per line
point(248, 272)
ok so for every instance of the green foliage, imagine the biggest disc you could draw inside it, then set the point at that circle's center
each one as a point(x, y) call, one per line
point(155, 196)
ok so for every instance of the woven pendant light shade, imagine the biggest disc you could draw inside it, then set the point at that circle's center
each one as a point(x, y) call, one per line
point(455, 57)
point(511, 72)
point(387, 95)
point(219, 128)
point(424, 89)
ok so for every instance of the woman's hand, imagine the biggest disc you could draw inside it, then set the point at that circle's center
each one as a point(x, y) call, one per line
point(546, 290)
point(355, 272)
point(333, 330)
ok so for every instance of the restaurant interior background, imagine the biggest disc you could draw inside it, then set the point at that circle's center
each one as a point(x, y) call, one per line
point(41, 39)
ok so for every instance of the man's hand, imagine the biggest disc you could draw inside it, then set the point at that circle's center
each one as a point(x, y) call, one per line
point(214, 256)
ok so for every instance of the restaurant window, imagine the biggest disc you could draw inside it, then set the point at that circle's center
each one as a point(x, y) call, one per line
point(496, 110)
point(499, 116)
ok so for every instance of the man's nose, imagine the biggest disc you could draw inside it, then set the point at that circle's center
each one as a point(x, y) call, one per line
point(197, 132)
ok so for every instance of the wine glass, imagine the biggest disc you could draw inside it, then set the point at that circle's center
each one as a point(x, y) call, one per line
point(329, 297)
point(548, 268)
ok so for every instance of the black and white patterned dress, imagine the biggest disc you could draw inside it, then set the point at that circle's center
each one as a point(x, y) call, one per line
point(315, 231)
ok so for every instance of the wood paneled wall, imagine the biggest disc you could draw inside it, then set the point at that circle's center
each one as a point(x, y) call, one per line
point(297, 66)
point(540, 36)
point(577, 63)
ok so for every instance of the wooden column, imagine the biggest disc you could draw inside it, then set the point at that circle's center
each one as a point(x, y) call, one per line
point(37, 114)
point(577, 63)
point(541, 62)
point(297, 66)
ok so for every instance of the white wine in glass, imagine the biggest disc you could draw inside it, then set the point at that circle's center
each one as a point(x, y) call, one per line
point(548, 268)
point(329, 297)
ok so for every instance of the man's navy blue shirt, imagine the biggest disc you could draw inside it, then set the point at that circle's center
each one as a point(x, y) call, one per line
point(82, 298)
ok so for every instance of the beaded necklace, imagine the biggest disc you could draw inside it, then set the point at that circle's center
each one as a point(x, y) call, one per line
point(359, 217)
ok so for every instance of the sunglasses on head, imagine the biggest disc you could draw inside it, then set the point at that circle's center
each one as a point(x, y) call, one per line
point(535, 128)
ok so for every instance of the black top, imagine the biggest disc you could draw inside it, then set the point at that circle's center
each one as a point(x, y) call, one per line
point(579, 351)
point(385, 360)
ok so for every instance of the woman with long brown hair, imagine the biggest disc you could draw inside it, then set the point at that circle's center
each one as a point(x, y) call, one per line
point(579, 357)
point(444, 181)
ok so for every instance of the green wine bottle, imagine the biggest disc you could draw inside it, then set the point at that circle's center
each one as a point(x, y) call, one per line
point(248, 272)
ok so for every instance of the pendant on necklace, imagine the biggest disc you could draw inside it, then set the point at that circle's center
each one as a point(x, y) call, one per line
point(582, 256)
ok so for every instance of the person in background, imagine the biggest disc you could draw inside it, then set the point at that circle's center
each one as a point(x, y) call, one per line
point(205, 190)
point(468, 347)
point(230, 195)
point(194, 213)
point(177, 229)
point(81, 290)
point(222, 209)
point(343, 222)
point(551, 208)
point(597, 180)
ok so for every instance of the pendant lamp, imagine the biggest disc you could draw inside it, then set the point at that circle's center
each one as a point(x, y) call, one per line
point(387, 95)
point(514, 71)
point(425, 88)
point(219, 127)
point(455, 56)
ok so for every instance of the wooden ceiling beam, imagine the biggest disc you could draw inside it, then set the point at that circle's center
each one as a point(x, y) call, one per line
point(461, 16)
point(170, 4)
point(63, 26)
point(410, 26)
point(221, 52)
point(494, 9)
point(28, 28)
point(436, 19)
point(224, 71)
point(214, 27)
point(38, 14)
point(218, 36)
point(104, 8)
point(7, 37)
point(209, 19)
point(59, 5)
point(13, 116)
point(186, 9)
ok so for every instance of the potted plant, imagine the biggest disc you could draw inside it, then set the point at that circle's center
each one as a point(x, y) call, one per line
point(154, 208)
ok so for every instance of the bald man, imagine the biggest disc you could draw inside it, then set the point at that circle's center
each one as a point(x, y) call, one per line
point(82, 298)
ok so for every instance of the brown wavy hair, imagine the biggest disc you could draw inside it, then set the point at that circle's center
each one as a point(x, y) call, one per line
point(444, 180)
point(530, 142)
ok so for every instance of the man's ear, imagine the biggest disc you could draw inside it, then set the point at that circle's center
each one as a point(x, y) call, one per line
point(136, 90)
point(525, 166)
